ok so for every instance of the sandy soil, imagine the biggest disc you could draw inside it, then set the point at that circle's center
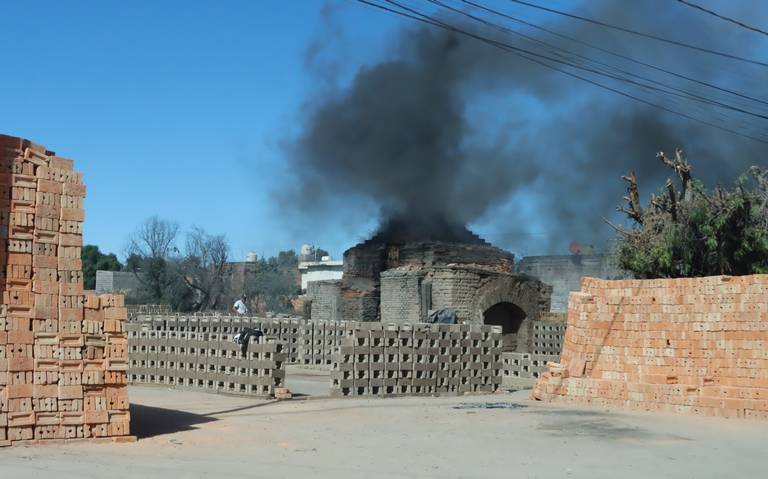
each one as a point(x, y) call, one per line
point(189, 434)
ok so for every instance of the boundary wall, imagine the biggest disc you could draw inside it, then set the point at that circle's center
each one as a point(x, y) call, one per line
point(692, 345)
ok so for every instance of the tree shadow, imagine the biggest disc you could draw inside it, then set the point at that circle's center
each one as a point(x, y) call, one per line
point(148, 421)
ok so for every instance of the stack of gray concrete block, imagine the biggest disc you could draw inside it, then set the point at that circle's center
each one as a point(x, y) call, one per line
point(520, 370)
point(204, 360)
point(547, 337)
point(391, 359)
point(310, 343)
point(144, 309)
point(285, 330)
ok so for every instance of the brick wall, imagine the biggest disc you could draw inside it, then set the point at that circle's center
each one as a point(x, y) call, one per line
point(694, 345)
point(401, 297)
point(325, 297)
point(63, 353)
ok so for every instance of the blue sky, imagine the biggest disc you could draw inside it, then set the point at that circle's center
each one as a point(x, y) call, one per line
point(180, 109)
point(172, 108)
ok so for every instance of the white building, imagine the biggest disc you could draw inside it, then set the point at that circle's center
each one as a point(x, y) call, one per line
point(321, 270)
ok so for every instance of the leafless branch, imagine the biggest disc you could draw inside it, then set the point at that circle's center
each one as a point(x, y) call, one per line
point(635, 210)
point(680, 166)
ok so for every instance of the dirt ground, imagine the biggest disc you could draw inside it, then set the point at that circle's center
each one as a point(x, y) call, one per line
point(190, 434)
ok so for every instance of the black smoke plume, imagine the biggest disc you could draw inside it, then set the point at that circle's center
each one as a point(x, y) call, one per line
point(447, 131)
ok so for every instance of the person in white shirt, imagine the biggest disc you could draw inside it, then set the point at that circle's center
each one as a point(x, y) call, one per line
point(240, 307)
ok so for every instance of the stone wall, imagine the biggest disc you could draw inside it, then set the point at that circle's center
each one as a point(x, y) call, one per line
point(693, 345)
point(564, 273)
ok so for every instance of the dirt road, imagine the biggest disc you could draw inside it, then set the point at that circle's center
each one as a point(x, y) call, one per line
point(189, 434)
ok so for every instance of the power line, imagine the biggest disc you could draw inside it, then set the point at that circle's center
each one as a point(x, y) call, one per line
point(681, 93)
point(533, 57)
point(722, 17)
point(524, 54)
point(640, 34)
point(609, 52)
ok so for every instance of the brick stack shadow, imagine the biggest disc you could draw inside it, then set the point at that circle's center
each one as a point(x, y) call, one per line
point(150, 421)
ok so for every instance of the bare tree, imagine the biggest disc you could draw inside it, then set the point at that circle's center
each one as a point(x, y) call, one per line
point(149, 250)
point(203, 268)
point(154, 238)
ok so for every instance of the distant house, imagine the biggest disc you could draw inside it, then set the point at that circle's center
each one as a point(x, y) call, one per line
point(322, 270)
point(116, 282)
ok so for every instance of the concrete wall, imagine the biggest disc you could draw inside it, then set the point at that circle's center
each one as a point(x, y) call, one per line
point(691, 345)
point(116, 281)
point(564, 273)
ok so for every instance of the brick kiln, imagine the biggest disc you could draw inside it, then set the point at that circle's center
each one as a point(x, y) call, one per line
point(63, 352)
point(403, 273)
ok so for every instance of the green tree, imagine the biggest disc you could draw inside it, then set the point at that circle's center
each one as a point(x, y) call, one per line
point(287, 258)
point(94, 260)
point(273, 282)
point(693, 231)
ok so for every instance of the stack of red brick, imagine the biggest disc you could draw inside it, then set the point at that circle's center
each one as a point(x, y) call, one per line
point(693, 345)
point(63, 352)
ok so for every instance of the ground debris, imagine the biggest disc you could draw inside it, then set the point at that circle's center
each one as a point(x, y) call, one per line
point(490, 405)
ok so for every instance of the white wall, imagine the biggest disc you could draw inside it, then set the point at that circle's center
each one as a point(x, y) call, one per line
point(320, 271)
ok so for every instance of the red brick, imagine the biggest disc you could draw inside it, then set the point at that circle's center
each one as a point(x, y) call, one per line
point(72, 214)
point(48, 186)
point(19, 391)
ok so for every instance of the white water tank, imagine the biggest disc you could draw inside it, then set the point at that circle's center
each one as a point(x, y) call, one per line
point(307, 250)
point(251, 257)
